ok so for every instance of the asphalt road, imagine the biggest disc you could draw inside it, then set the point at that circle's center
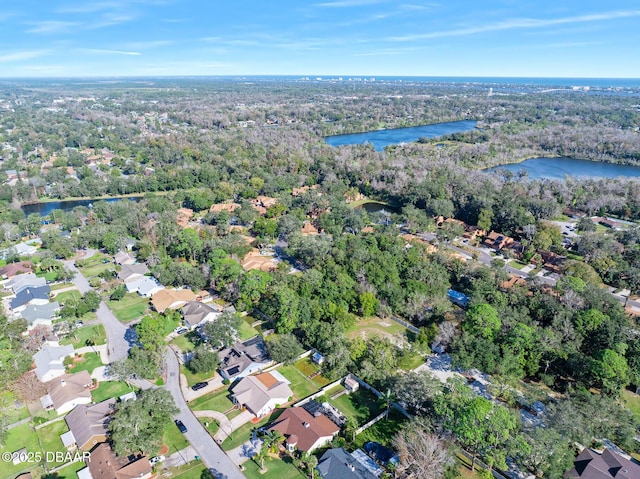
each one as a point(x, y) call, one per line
point(218, 463)
point(117, 344)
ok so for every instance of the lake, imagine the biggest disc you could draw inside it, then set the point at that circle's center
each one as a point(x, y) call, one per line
point(557, 168)
point(381, 138)
point(45, 209)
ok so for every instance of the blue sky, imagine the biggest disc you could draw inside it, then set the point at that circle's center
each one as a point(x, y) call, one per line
point(558, 38)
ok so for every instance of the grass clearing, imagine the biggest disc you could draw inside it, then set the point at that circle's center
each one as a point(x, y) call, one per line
point(131, 307)
point(243, 433)
point(632, 402)
point(308, 368)
point(109, 389)
point(193, 470)
point(74, 295)
point(465, 468)
point(50, 439)
point(93, 333)
point(86, 362)
point(246, 331)
point(383, 431)
point(210, 424)
point(193, 378)
point(93, 266)
point(409, 360)
point(20, 437)
point(184, 343)
point(282, 468)
point(215, 401)
point(173, 439)
point(301, 385)
point(362, 405)
point(374, 326)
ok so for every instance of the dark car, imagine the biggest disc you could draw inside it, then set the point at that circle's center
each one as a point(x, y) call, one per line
point(200, 385)
point(181, 426)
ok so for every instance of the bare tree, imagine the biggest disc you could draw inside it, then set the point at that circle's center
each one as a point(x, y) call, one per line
point(28, 387)
point(423, 455)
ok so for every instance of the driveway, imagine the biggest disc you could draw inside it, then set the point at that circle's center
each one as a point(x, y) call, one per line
point(243, 453)
point(117, 344)
point(219, 464)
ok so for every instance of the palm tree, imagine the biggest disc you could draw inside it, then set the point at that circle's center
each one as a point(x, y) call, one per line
point(261, 456)
point(387, 399)
point(312, 462)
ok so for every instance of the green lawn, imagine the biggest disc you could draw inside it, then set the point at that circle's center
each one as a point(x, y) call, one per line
point(210, 425)
point(215, 401)
point(246, 331)
point(410, 360)
point(383, 431)
point(65, 295)
point(86, 362)
point(276, 469)
point(374, 326)
point(93, 266)
point(193, 470)
point(184, 342)
point(243, 433)
point(131, 307)
point(50, 439)
point(632, 401)
point(94, 333)
point(193, 378)
point(173, 438)
point(17, 438)
point(71, 471)
point(465, 468)
point(362, 405)
point(307, 368)
point(108, 390)
point(300, 384)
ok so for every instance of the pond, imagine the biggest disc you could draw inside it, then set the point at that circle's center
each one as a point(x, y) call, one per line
point(558, 168)
point(381, 138)
point(45, 209)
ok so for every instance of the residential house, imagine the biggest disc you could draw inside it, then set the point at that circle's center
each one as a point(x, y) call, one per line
point(243, 359)
point(89, 424)
point(49, 360)
point(309, 229)
point(497, 241)
point(124, 258)
point(514, 280)
point(337, 463)
point(262, 393)
point(591, 465)
point(256, 260)
point(220, 207)
point(38, 295)
point(196, 313)
point(13, 269)
point(67, 392)
point(183, 216)
point(144, 286)
point(304, 431)
point(552, 261)
point(25, 249)
point(22, 281)
point(262, 203)
point(132, 272)
point(304, 189)
point(40, 314)
point(171, 299)
point(104, 464)
point(575, 214)
point(473, 232)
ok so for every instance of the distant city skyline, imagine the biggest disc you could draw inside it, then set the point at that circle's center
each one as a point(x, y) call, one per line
point(497, 38)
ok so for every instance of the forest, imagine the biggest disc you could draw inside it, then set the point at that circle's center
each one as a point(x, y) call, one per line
point(193, 144)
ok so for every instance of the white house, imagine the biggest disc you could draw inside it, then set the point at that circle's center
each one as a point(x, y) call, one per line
point(49, 361)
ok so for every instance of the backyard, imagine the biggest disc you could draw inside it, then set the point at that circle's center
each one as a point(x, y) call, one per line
point(362, 405)
point(50, 440)
point(374, 326)
point(130, 307)
point(85, 362)
point(20, 437)
point(301, 385)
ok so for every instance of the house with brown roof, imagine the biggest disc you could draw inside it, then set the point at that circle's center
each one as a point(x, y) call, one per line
point(183, 216)
point(171, 299)
point(497, 241)
point(220, 207)
point(514, 280)
point(262, 393)
point(304, 431)
point(104, 464)
point(591, 465)
point(256, 260)
point(308, 229)
point(13, 269)
point(262, 203)
point(88, 424)
point(304, 189)
point(67, 392)
point(552, 261)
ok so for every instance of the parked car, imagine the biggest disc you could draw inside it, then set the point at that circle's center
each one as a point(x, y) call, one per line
point(155, 460)
point(199, 385)
point(181, 426)
point(180, 330)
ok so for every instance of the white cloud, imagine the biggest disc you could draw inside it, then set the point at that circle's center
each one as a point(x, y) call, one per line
point(101, 51)
point(52, 26)
point(23, 55)
point(516, 23)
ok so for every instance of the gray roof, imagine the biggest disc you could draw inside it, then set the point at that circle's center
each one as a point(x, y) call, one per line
point(33, 312)
point(237, 358)
point(144, 286)
point(51, 357)
point(29, 294)
point(591, 465)
point(88, 421)
point(194, 312)
point(21, 281)
point(339, 464)
point(133, 271)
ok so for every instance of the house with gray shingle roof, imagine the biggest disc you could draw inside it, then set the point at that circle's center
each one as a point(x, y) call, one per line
point(339, 464)
point(49, 361)
point(38, 295)
point(22, 281)
point(37, 314)
point(89, 423)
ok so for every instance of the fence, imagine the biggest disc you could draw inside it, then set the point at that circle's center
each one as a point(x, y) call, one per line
point(321, 392)
point(407, 325)
point(366, 426)
point(379, 394)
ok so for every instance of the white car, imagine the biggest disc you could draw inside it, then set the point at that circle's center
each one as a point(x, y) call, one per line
point(156, 460)
point(180, 330)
